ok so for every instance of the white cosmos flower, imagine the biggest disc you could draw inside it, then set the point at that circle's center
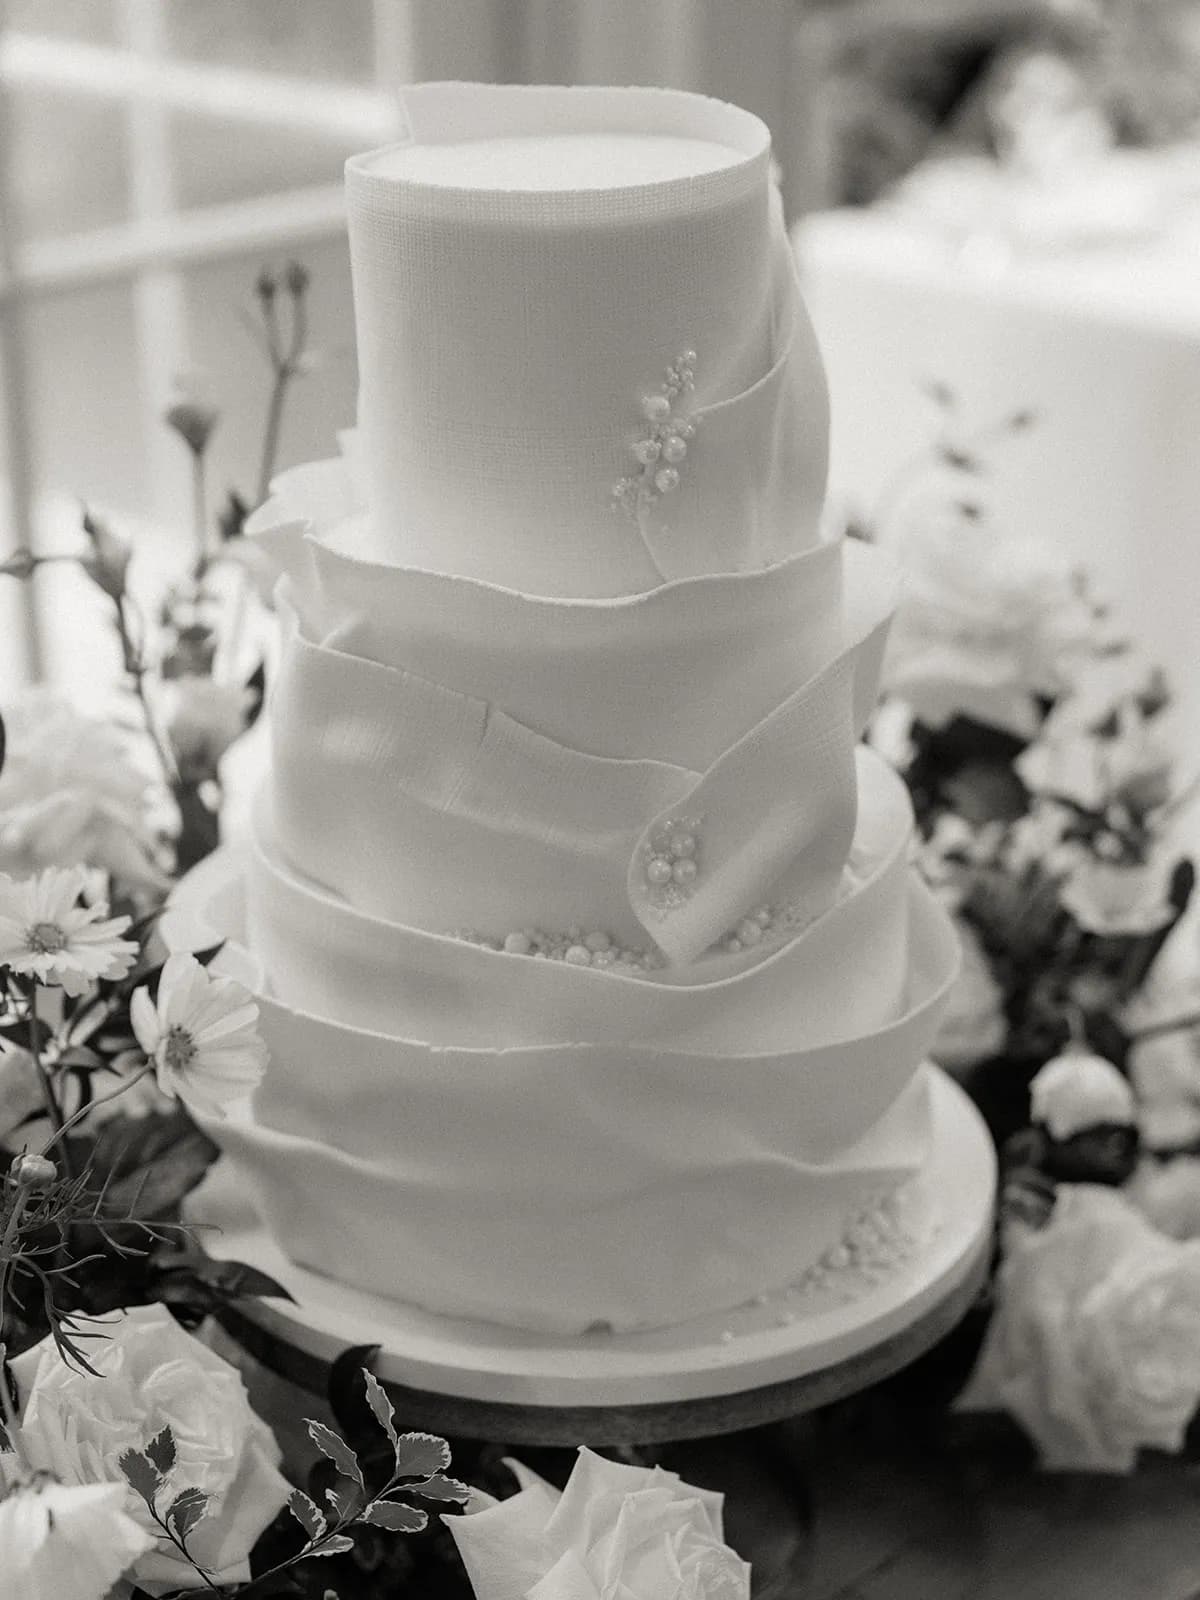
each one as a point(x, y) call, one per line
point(46, 934)
point(201, 1034)
point(66, 1541)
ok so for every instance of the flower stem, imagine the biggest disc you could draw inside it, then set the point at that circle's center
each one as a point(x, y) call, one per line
point(101, 1100)
point(49, 1093)
point(200, 515)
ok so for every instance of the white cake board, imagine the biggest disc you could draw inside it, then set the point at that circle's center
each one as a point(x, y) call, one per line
point(837, 1344)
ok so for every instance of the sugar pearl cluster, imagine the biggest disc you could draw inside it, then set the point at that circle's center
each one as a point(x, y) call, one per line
point(664, 444)
point(768, 925)
point(575, 946)
point(879, 1241)
point(671, 862)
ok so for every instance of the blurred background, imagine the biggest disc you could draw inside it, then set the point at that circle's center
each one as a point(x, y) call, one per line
point(1001, 196)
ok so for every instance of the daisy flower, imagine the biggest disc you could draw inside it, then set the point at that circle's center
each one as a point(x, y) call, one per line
point(201, 1035)
point(45, 934)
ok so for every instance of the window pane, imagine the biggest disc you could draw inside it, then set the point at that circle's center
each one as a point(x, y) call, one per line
point(307, 38)
point(92, 20)
point(218, 161)
point(68, 164)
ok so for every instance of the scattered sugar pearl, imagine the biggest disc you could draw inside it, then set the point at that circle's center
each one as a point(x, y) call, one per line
point(685, 428)
point(682, 844)
point(647, 451)
point(658, 870)
point(598, 941)
point(604, 958)
point(674, 448)
point(666, 480)
point(749, 932)
point(656, 407)
point(578, 955)
point(684, 870)
point(518, 944)
point(688, 358)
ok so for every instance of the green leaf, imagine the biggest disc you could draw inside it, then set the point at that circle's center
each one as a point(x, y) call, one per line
point(336, 1546)
point(185, 1511)
point(161, 1449)
point(307, 1513)
point(339, 1452)
point(380, 1404)
point(140, 1473)
point(420, 1455)
point(439, 1487)
point(394, 1516)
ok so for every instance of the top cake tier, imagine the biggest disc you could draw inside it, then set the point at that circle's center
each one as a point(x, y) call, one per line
point(584, 365)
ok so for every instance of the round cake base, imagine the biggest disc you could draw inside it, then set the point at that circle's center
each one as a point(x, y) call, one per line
point(785, 1354)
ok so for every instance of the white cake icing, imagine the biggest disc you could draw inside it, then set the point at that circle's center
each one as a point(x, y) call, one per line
point(594, 971)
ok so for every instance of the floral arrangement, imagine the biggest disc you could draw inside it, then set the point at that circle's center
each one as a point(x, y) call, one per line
point(132, 1463)
point(1036, 742)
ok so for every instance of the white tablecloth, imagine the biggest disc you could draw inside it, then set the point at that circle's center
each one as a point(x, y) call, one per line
point(1102, 339)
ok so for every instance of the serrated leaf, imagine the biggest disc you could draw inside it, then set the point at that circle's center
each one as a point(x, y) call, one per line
point(397, 1518)
point(421, 1455)
point(185, 1511)
point(140, 1473)
point(307, 1513)
point(336, 1546)
point(161, 1449)
point(440, 1487)
point(380, 1404)
point(340, 1505)
point(338, 1451)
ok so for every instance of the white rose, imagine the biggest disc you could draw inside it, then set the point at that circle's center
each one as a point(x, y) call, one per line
point(1094, 1345)
point(1109, 899)
point(616, 1530)
point(70, 795)
point(1134, 768)
point(986, 624)
point(1167, 1193)
point(64, 1542)
point(151, 1374)
point(974, 1025)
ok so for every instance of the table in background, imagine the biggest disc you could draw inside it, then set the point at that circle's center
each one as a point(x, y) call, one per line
point(1101, 339)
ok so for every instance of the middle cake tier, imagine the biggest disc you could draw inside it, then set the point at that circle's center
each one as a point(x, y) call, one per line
point(643, 781)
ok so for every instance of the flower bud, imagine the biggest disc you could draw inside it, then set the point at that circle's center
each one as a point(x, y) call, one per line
point(193, 423)
point(33, 1172)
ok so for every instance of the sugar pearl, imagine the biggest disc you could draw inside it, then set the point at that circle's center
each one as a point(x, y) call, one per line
point(666, 480)
point(749, 932)
point(658, 870)
point(578, 955)
point(763, 917)
point(604, 958)
point(674, 448)
point(656, 407)
point(518, 944)
point(597, 942)
point(682, 844)
point(838, 1257)
point(647, 451)
point(684, 870)
point(685, 428)
point(688, 358)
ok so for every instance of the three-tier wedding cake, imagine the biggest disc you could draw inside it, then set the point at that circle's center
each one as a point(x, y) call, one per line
point(595, 976)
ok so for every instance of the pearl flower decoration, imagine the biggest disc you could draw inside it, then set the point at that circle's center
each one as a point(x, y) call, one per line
point(664, 445)
point(670, 862)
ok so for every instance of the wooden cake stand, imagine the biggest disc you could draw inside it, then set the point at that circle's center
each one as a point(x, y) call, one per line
point(784, 1355)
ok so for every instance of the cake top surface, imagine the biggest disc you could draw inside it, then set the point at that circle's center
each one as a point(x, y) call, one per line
point(555, 161)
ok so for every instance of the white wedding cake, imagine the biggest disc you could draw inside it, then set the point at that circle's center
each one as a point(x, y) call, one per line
point(595, 976)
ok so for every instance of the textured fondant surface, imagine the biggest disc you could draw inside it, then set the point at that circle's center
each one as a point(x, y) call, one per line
point(594, 972)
